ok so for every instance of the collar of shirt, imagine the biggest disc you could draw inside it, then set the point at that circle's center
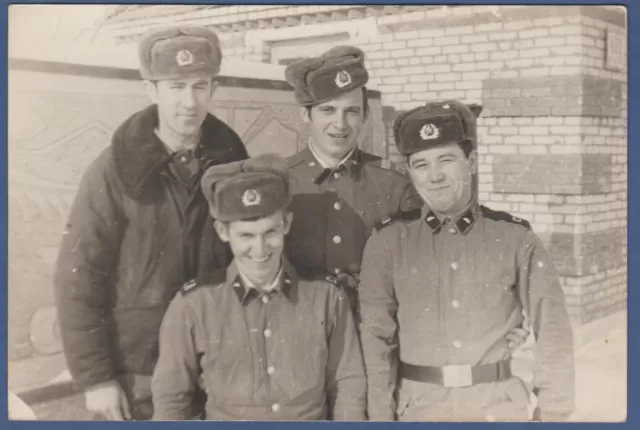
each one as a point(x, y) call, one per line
point(187, 149)
point(462, 223)
point(322, 162)
point(348, 164)
point(250, 284)
point(245, 290)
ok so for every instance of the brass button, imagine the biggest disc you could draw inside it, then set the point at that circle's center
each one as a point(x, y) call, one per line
point(337, 239)
point(453, 230)
point(455, 304)
point(337, 206)
point(454, 265)
point(265, 299)
point(268, 333)
point(457, 344)
point(275, 407)
point(271, 370)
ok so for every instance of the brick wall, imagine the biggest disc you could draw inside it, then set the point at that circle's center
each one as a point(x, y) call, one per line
point(553, 142)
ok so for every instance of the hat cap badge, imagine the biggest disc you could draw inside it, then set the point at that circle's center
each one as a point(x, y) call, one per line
point(343, 78)
point(429, 131)
point(184, 57)
point(251, 198)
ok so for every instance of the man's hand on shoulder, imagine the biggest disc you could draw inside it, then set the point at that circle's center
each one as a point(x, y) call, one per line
point(109, 400)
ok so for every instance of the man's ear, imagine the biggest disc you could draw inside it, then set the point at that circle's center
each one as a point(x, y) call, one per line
point(475, 109)
point(473, 162)
point(151, 90)
point(223, 230)
point(288, 219)
point(214, 86)
point(305, 114)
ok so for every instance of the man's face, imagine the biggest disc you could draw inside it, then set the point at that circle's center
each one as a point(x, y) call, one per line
point(182, 103)
point(257, 245)
point(442, 176)
point(336, 124)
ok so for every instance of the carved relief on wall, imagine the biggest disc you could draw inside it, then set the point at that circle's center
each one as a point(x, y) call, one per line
point(275, 128)
point(53, 137)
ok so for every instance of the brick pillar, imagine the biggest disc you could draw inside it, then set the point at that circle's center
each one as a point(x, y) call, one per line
point(555, 153)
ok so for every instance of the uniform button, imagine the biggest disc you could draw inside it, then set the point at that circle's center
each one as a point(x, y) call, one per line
point(268, 333)
point(183, 159)
point(337, 206)
point(337, 175)
point(453, 230)
point(311, 164)
point(337, 239)
point(454, 265)
point(271, 370)
point(337, 271)
point(457, 344)
point(265, 299)
point(275, 407)
point(455, 304)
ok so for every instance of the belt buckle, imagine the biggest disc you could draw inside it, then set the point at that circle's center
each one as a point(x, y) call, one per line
point(457, 376)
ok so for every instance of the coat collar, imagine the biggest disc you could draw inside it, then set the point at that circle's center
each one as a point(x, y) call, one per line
point(463, 223)
point(288, 281)
point(351, 166)
point(139, 155)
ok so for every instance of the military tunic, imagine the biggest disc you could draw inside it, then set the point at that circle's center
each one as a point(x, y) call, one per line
point(288, 354)
point(438, 292)
point(335, 210)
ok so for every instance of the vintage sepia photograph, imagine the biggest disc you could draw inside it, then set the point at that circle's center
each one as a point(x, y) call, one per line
point(411, 213)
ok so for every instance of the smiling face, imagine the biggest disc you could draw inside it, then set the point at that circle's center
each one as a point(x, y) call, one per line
point(257, 244)
point(182, 104)
point(336, 124)
point(442, 176)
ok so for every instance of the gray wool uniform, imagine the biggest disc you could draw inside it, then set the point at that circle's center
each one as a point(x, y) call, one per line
point(438, 292)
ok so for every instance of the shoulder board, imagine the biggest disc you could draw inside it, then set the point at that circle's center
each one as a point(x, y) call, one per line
point(210, 279)
point(295, 159)
point(405, 216)
point(388, 165)
point(504, 216)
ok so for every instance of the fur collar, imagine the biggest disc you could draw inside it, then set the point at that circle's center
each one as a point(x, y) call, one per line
point(139, 155)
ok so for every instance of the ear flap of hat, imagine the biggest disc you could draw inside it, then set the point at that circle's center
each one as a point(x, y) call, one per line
point(213, 175)
point(149, 39)
point(344, 53)
point(398, 123)
point(476, 109)
point(296, 73)
point(269, 163)
point(469, 113)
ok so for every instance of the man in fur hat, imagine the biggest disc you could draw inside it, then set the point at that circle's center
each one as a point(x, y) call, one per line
point(340, 191)
point(439, 294)
point(137, 221)
point(270, 344)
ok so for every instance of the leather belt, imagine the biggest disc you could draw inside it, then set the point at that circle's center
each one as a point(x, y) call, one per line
point(457, 376)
